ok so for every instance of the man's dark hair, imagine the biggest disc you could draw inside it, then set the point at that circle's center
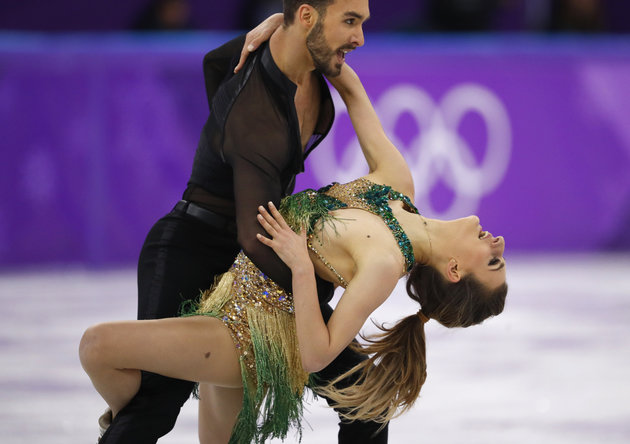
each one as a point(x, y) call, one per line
point(290, 7)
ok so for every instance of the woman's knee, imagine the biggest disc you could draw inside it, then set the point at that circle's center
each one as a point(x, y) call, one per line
point(94, 346)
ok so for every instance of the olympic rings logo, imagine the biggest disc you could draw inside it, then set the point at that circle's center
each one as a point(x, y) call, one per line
point(437, 152)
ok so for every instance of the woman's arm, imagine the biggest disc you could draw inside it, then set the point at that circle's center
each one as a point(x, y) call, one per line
point(319, 342)
point(383, 158)
point(322, 342)
point(258, 35)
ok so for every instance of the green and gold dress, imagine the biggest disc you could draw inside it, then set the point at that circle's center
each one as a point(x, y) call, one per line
point(260, 314)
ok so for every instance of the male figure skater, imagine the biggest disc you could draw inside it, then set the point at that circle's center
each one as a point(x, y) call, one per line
point(264, 120)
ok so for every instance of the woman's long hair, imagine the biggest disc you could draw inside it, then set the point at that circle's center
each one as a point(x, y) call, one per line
point(387, 383)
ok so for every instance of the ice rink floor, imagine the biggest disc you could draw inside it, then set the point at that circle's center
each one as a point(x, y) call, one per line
point(553, 368)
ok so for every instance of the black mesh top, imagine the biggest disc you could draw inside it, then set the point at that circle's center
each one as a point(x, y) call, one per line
point(250, 148)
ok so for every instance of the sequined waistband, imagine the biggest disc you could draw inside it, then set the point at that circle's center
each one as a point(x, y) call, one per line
point(253, 285)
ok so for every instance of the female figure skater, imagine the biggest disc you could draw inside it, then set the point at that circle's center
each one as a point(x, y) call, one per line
point(251, 346)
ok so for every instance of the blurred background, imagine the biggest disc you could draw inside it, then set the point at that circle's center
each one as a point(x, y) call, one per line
point(591, 16)
point(515, 110)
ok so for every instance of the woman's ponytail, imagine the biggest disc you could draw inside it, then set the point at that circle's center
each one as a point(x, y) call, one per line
point(387, 383)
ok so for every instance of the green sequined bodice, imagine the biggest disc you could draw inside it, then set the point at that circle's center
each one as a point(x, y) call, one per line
point(309, 206)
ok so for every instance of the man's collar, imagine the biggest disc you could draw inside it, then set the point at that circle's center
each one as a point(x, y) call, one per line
point(275, 73)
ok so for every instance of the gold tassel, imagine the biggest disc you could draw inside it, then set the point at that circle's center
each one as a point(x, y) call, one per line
point(278, 329)
point(213, 299)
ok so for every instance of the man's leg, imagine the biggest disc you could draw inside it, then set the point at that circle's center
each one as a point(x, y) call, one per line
point(357, 432)
point(179, 259)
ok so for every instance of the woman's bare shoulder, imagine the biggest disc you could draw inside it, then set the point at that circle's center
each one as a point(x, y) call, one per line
point(358, 240)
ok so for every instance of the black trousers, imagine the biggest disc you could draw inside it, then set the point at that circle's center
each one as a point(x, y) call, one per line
point(180, 258)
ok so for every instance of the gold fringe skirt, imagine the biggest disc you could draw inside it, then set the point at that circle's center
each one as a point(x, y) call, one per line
point(261, 320)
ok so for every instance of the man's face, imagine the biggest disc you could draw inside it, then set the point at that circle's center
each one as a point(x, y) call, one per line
point(337, 32)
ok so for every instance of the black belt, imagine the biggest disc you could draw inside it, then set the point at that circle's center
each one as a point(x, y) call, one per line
point(206, 216)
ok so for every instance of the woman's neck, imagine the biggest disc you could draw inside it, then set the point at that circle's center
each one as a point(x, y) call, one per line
point(418, 230)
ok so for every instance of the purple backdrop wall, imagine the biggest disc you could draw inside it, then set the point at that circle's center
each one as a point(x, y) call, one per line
point(79, 15)
point(97, 135)
point(390, 15)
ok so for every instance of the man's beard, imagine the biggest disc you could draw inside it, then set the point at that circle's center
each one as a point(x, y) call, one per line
point(321, 53)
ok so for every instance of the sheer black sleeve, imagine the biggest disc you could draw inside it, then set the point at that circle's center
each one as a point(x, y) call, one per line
point(256, 144)
point(219, 64)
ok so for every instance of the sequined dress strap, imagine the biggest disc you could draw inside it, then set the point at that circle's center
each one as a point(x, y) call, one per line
point(367, 195)
point(339, 277)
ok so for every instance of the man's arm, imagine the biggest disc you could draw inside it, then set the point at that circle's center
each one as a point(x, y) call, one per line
point(256, 146)
point(218, 63)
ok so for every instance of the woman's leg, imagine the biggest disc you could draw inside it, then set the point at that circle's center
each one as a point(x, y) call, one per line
point(218, 410)
point(195, 349)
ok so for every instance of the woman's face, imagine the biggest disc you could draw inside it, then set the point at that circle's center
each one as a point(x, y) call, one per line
point(478, 251)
